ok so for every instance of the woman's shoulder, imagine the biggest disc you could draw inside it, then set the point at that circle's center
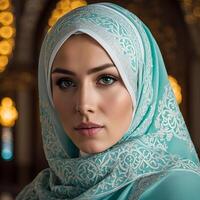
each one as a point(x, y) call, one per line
point(176, 185)
point(29, 191)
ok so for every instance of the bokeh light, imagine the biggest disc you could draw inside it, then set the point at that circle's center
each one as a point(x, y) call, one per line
point(3, 63)
point(7, 33)
point(63, 7)
point(7, 144)
point(176, 89)
point(8, 112)
point(4, 4)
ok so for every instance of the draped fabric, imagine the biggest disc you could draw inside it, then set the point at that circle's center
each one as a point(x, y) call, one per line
point(155, 157)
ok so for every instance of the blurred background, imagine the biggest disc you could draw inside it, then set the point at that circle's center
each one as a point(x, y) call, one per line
point(23, 23)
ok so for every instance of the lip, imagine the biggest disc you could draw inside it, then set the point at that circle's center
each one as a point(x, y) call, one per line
point(88, 125)
point(88, 129)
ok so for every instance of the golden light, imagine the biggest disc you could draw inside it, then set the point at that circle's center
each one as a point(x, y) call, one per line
point(176, 89)
point(4, 4)
point(6, 18)
point(7, 102)
point(3, 63)
point(6, 32)
point(63, 7)
point(11, 41)
point(8, 112)
point(5, 47)
point(76, 4)
point(2, 68)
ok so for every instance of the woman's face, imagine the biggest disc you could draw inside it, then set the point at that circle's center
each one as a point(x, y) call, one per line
point(87, 88)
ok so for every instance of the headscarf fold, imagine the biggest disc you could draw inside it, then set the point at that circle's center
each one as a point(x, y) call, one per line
point(157, 142)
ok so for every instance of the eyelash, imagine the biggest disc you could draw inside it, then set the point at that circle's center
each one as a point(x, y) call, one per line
point(60, 81)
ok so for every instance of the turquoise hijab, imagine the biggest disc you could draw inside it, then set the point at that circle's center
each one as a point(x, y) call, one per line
point(155, 159)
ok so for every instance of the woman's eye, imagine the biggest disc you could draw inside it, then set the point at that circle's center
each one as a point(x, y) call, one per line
point(64, 83)
point(107, 80)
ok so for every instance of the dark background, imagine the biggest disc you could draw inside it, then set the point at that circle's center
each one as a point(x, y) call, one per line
point(176, 27)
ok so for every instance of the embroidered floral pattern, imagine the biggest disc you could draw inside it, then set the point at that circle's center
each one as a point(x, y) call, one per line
point(169, 118)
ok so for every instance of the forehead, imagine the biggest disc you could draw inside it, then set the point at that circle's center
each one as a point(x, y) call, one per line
point(81, 47)
point(83, 37)
point(79, 40)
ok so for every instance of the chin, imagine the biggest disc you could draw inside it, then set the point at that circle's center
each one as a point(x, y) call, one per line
point(92, 148)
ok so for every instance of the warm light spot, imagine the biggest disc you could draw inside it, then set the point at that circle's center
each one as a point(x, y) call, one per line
point(3, 62)
point(6, 18)
point(7, 102)
point(57, 13)
point(63, 7)
point(52, 21)
point(2, 69)
point(77, 3)
point(5, 47)
point(4, 4)
point(8, 112)
point(176, 89)
point(6, 32)
point(11, 41)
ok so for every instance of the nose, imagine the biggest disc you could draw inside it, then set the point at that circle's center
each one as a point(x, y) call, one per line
point(85, 100)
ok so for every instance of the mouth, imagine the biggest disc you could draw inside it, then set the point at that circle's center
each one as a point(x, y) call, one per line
point(89, 131)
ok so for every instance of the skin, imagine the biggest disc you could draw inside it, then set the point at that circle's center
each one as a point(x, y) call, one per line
point(101, 96)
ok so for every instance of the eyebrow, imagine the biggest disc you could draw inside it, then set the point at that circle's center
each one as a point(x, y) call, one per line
point(90, 71)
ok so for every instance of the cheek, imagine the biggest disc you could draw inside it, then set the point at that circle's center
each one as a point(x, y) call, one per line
point(118, 105)
point(63, 105)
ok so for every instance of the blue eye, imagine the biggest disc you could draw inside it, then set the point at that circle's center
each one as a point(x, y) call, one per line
point(107, 80)
point(64, 83)
point(103, 80)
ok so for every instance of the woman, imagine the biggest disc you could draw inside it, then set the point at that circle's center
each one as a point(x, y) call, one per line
point(110, 123)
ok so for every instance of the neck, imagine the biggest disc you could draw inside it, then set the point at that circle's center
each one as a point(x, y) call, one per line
point(83, 154)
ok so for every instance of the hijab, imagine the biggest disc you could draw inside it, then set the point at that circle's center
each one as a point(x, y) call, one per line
point(157, 142)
